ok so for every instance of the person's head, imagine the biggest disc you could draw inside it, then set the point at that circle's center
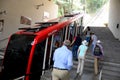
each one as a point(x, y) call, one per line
point(88, 28)
point(92, 33)
point(66, 43)
point(78, 35)
point(84, 42)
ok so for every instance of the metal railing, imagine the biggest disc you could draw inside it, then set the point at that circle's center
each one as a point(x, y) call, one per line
point(20, 78)
point(1, 40)
point(100, 76)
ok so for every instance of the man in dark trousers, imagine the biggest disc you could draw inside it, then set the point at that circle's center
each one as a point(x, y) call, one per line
point(76, 43)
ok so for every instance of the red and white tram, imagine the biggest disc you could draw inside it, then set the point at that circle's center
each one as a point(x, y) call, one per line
point(29, 51)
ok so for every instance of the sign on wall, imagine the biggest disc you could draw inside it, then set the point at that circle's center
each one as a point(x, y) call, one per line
point(1, 25)
point(25, 20)
point(46, 16)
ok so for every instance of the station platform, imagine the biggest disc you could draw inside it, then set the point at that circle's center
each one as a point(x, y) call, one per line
point(110, 65)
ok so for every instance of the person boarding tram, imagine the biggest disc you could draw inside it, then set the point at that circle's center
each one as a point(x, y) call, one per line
point(76, 43)
point(63, 63)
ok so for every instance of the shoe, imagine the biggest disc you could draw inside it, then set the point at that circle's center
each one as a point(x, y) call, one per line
point(76, 76)
point(75, 59)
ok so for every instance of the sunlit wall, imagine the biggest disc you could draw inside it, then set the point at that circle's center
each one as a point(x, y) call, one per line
point(12, 10)
point(114, 18)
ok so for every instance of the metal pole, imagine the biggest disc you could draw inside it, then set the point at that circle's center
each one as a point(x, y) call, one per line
point(66, 32)
point(100, 76)
point(45, 56)
point(20, 78)
point(51, 49)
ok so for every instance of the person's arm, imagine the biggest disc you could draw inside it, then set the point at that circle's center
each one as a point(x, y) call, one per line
point(86, 52)
point(78, 51)
point(54, 56)
point(73, 41)
point(70, 62)
point(101, 48)
point(91, 39)
point(85, 32)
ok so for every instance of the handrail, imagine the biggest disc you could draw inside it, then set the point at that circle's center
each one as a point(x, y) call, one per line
point(1, 53)
point(1, 57)
point(100, 76)
point(20, 78)
point(3, 39)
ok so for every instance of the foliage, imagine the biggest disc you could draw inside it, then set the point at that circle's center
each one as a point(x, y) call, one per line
point(90, 6)
point(94, 5)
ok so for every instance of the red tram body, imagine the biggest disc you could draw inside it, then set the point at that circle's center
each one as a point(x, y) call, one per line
point(29, 51)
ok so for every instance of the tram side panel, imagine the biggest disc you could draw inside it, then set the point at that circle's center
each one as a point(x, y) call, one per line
point(16, 56)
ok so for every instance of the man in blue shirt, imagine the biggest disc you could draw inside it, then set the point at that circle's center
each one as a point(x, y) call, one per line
point(62, 62)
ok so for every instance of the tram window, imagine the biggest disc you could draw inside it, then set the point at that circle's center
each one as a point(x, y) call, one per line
point(63, 34)
point(56, 41)
point(67, 34)
point(72, 30)
point(47, 65)
point(59, 38)
point(78, 30)
point(70, 33)
point(16, 56)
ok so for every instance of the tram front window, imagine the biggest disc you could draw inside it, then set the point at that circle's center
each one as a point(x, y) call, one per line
point(16, 56)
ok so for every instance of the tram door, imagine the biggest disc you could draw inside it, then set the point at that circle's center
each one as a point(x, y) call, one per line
point(37, 61)
point(48, 52)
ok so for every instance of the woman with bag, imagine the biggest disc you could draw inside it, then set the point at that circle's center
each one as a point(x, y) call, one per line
point(98, 54)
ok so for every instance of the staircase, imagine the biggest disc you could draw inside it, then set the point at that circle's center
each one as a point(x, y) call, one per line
point(111, 63)
point(110, 70)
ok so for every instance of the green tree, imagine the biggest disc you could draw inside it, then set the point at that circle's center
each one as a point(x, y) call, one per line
point(90, 6)
point(94, 5)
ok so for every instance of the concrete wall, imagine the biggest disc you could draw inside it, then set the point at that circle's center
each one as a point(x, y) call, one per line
point(114, 18)
point(17, 8)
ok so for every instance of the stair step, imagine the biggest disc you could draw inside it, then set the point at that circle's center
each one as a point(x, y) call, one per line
point(109, 77)
point(111, 73)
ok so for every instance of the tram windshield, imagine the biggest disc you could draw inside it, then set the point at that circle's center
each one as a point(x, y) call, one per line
point(16, 56)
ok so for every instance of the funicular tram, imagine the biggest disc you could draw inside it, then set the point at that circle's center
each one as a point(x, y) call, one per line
point(29, 51)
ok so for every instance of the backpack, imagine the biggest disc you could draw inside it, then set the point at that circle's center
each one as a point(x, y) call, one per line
point(97, 51)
